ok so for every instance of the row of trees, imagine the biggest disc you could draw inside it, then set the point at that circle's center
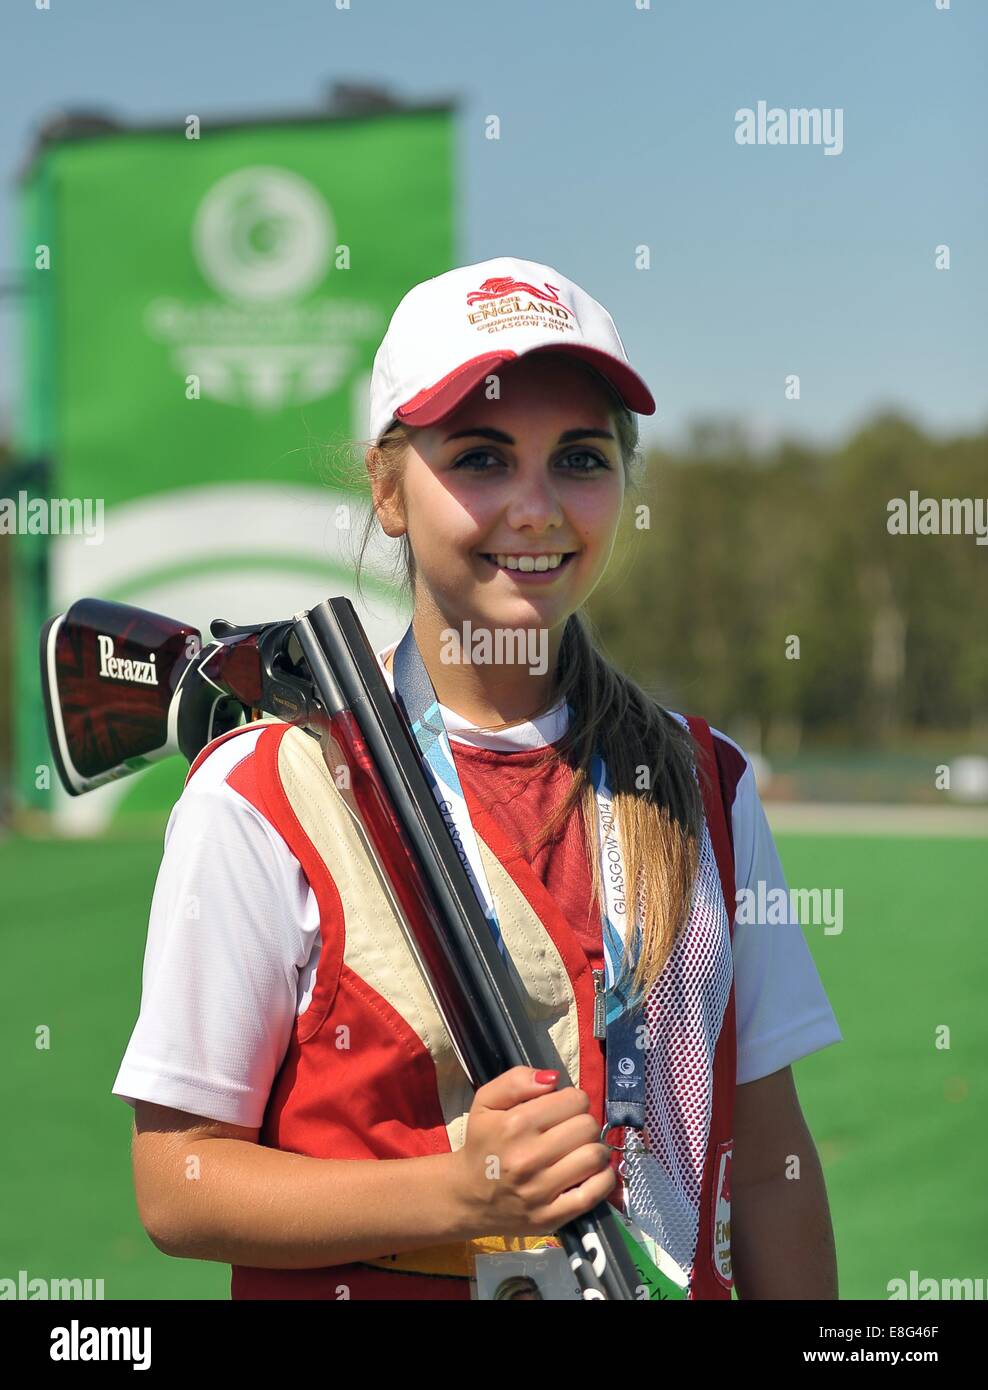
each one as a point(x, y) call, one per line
point(767, 587)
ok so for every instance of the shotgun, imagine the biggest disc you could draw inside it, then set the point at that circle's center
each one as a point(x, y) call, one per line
point(124, 687)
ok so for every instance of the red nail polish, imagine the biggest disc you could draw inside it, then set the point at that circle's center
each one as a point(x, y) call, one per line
point(547, 1078)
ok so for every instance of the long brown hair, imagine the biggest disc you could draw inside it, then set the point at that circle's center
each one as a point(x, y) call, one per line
point(650, 757)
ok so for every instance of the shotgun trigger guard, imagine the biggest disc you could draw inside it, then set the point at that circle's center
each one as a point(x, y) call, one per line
point(287, 688)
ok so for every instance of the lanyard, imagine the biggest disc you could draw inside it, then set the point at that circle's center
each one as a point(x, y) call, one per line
point(625, 1029)
point(415, 689)
point(623, 1018)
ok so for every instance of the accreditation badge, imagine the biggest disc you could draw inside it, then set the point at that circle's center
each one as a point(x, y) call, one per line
point(527, 1276)
point(544, 1272)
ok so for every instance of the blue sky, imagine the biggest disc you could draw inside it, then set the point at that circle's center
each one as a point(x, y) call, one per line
point(617, 130)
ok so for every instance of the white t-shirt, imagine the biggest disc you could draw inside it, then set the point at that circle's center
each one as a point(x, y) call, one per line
point(233, 946)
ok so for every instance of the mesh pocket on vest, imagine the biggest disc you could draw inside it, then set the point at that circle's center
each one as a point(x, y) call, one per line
point(684, 1012)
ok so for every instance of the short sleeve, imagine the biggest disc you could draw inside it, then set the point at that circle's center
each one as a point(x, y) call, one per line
point(232, 924)
point(782, 1009)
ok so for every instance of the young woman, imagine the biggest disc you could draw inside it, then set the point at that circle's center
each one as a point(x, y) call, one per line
point(300, 1112)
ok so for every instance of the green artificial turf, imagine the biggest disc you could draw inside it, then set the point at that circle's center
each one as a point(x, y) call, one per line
point(73, 929)
point(900, 1124)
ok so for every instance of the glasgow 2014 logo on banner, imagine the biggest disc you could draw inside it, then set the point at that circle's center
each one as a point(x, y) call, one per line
point(263, 234)
point(263, 239)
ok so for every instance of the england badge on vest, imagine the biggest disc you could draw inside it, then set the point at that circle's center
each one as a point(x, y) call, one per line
point(721, 1216)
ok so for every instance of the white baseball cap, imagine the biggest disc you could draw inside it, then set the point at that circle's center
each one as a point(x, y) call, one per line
point(451, 332)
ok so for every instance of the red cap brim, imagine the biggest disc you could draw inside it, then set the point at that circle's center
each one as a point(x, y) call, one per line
point(435, 402)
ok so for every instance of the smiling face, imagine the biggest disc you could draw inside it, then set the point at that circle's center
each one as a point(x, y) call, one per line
point(500, 489)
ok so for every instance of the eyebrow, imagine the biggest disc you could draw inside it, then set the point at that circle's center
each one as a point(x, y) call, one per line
point(499, 437)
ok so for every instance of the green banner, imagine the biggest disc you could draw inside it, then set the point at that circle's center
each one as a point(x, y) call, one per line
point(202, 317)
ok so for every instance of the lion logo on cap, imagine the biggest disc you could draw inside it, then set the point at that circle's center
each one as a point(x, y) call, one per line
point(501, 285)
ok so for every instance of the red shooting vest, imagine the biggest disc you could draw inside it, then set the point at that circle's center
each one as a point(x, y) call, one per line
point(401, 1092)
